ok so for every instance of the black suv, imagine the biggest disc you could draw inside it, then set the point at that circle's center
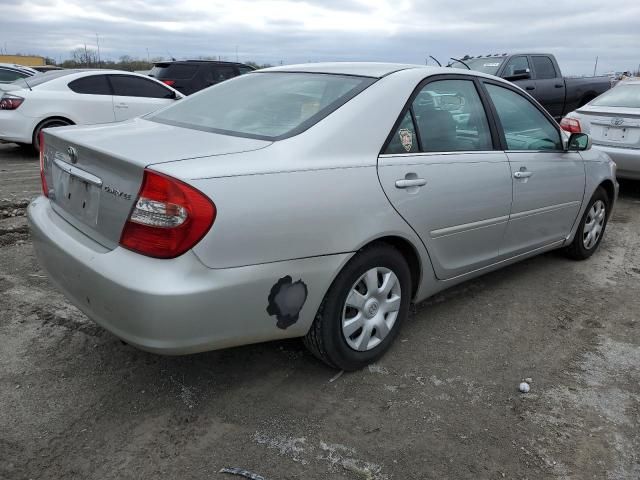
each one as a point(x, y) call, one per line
point(190, 76)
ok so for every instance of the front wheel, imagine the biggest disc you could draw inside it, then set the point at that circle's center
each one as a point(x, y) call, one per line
point(591, 228)
point(363, 310)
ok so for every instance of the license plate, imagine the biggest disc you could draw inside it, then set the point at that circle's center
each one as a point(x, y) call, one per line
point(76, 195)
point(615, 134)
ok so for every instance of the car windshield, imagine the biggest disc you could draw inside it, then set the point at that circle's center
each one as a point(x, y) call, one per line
point(620, 96)
point(264, 105)
point(488, 65)
point(40, 78)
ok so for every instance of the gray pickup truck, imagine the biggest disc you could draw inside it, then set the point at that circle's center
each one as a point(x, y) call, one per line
point(539, 74)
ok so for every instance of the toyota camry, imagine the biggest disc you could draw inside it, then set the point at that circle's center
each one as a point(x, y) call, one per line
point(313, 201)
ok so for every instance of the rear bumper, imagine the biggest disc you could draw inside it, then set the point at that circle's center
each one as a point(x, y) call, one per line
point(15, 127)
point(627, 160)
point(173, 306)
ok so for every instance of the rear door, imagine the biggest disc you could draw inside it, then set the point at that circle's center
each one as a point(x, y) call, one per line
point(548, 182)
point(550, 87)
point(134, 96)
point(441, 172)
point(91, 101)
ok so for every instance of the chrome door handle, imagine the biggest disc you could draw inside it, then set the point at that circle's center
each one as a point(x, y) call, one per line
point(522, 174)
point(412, 182)
point(122, 105)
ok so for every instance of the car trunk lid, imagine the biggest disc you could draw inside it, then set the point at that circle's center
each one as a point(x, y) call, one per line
point(94, 174)
point(613, 126)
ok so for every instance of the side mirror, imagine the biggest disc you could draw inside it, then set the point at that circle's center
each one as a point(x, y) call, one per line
point(579, 142)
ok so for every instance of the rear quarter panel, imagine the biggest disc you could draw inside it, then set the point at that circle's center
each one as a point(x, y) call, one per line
point(598, 169)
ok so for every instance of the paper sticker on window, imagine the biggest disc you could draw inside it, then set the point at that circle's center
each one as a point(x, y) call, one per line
point(406, 138)
point(491, 65)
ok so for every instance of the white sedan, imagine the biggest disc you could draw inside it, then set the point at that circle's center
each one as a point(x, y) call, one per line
point(76, 97)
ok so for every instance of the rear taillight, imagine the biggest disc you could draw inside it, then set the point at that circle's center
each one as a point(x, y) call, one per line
point(570, 125)
point(168, 218)
point(171, 83)
point(43, 179)
point(10, 102)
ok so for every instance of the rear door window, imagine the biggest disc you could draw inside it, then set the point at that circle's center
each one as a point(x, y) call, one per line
point(450, 117)
point(11, 75)
point(221, 73)
point(544, 67)
point(130, 86)
point(174, 71)
point(92, 85)
point(244, 69)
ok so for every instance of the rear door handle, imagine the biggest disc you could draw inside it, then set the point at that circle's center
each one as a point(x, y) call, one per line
point(122, 105)
point(559, 86)
point(412, 182)
point(530, 88)
point(522, 174)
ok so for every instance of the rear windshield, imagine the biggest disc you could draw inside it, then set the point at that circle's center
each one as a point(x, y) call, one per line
point(174, 71)
point(488, 65)
point(268, 105)
point(620, 96)
point(40, 78)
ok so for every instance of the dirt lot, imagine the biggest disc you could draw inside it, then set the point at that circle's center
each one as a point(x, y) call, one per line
point(76, 403)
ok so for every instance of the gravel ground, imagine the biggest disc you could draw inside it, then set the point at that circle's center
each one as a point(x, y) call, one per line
point(76, 403)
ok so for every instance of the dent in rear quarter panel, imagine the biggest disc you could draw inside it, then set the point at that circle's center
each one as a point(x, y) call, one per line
point(282, 216)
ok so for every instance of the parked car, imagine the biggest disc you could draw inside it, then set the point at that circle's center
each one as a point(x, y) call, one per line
point(10, 72)
point(190, 76)
point(613, 121)
point(76, 97)
point(312, 200)
point(539, 74)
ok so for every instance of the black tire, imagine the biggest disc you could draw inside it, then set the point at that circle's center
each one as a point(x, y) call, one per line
point(325, 338)
point(48, 123)
point(577, 250)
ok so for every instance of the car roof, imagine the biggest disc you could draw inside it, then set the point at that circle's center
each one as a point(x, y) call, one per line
point(364, 69)
point(215, 62)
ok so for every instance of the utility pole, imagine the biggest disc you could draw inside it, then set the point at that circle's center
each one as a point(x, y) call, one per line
point(98, 44)
point(236, 53)
point(86, 55)
point(148, 59)
point(595, 67)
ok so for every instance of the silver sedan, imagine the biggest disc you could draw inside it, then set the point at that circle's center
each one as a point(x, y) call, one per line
point(613, 121)
point(313, 201)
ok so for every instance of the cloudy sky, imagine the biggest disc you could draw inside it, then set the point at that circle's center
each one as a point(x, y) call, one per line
point(294, 31)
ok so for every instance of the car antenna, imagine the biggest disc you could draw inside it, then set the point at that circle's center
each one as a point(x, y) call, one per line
point(459, 61)
point(435, 60)
point(25, 81)
point(171, 56)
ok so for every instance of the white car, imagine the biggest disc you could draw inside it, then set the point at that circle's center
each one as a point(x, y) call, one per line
point(10, 72)
point(76, 97)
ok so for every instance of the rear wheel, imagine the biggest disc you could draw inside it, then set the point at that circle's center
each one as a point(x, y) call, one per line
point(49, 123)
point(363, 310)
point(591, 228)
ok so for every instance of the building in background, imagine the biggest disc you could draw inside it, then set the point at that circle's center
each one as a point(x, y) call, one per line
point(27, 60)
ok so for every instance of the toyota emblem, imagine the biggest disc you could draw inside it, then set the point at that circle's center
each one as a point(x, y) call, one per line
point(73, 155)
point(617, 121)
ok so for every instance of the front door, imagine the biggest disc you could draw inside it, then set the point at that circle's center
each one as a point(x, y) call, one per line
point(440, 171)
point(548, 182)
